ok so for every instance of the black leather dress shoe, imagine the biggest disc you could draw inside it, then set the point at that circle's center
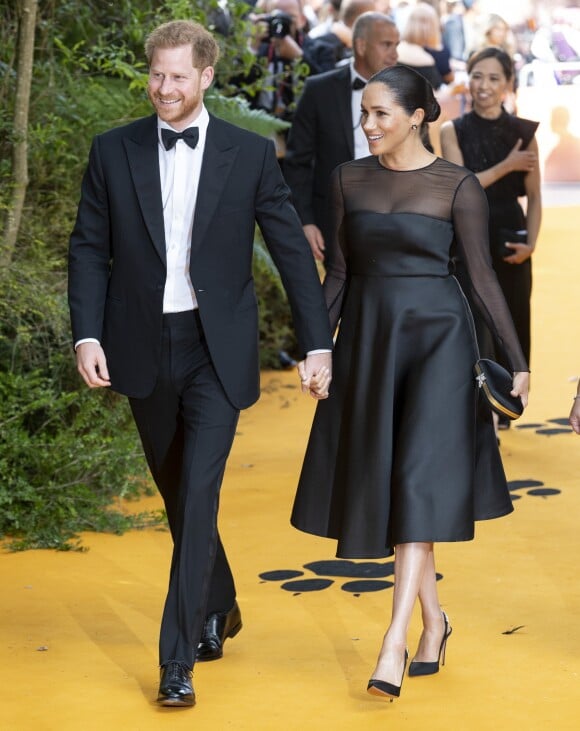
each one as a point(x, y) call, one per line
point(218, 626)
point(175, 688)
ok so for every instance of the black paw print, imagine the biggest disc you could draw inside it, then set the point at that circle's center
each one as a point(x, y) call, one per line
point(368, 576)
point(550, 427)
point(535, 488)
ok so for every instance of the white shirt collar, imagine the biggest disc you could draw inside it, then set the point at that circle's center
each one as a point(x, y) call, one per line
point(354, 74)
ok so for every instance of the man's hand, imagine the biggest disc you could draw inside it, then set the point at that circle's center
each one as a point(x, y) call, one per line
point(316, 374)
point(92, 365)
point(315, 239)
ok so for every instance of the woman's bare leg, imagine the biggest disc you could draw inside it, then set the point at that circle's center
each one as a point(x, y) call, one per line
point(433, 624)
point(411, 560)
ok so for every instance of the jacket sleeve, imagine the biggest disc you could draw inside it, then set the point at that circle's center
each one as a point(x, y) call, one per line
point(90, 253)
point(292, 256)
point(301, 153)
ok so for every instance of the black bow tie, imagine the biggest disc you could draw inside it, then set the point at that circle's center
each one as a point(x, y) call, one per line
point(358, 83)
point(190, 136)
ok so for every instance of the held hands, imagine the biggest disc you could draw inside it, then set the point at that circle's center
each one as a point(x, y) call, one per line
point(521, 386)
point(316, 374)
point(521, 160)
point(92, 365)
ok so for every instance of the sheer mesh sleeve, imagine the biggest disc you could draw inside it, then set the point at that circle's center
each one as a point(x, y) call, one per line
point(470, 221)
point(334, 284)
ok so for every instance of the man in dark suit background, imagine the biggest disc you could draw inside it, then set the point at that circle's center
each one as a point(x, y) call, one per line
point(326, 128)
point(163, 310)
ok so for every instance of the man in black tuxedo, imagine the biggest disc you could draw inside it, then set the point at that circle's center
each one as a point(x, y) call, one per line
point(326, 128)
point(163, 310)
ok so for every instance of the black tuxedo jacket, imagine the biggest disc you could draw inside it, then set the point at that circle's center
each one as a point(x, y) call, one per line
point(117, 264)
point(321, 137)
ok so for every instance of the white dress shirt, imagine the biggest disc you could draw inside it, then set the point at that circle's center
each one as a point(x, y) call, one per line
point(180, 169)
point(361, 146)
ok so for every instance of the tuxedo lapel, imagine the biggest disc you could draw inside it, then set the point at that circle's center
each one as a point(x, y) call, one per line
point(218, 159)
point(143, 158)
point(342, 95)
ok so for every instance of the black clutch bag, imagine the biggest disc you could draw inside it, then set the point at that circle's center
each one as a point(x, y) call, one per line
point(495, 384)
point(508, 235)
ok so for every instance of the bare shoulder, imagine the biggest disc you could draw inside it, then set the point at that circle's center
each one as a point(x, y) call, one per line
point(450, 148)
point(448, 129)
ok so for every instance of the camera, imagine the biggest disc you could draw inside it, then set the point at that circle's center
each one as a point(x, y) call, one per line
point(279, 24)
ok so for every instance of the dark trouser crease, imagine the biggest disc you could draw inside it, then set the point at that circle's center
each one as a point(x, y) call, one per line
point(187, 427)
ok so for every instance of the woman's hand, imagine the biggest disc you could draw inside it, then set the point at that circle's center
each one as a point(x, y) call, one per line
point(521, 252)
point(521, 160)
point(521, 386)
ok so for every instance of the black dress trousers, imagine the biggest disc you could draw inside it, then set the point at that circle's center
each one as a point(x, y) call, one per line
point(187, 427)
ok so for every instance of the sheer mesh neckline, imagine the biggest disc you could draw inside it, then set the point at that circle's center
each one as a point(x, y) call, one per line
point(442, 191)
point(409, 170)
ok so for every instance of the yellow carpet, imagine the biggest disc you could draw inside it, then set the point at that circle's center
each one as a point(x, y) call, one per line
point(78, 633)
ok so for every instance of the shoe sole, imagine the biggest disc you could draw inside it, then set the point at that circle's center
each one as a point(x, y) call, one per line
point(175, 702)
point(379, 694)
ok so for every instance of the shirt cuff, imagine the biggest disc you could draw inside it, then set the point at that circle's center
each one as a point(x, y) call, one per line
point(317, 352)
point(86, 340)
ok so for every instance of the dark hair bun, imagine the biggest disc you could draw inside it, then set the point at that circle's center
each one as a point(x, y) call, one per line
point(432, 109)
point(410, 89)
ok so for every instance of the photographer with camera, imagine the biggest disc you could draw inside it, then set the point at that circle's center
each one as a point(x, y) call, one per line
point(281, 40)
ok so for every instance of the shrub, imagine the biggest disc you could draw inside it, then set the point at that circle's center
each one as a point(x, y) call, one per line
point(69, 454)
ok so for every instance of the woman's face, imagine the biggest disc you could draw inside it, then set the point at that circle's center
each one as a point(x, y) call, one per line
point(487, 84)
point(385, 123)
point(497, 35)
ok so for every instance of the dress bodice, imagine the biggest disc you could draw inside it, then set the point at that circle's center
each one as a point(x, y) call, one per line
point(407, 224)
point(406, 255)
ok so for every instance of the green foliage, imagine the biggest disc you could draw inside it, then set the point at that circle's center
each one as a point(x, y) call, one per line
point(65, 452)
point(68, 454)
point(237, 110)
point(64, 456)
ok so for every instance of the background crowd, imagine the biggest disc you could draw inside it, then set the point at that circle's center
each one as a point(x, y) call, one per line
point(437, 36)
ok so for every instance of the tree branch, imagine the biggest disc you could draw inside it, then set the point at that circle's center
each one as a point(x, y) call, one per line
point(26, 30)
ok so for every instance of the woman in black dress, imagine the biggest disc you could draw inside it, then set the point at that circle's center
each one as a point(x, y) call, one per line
point(397, 459)
point(502, 151)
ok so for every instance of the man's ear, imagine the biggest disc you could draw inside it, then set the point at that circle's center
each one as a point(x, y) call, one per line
point(207, 76)
point(358, 47)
